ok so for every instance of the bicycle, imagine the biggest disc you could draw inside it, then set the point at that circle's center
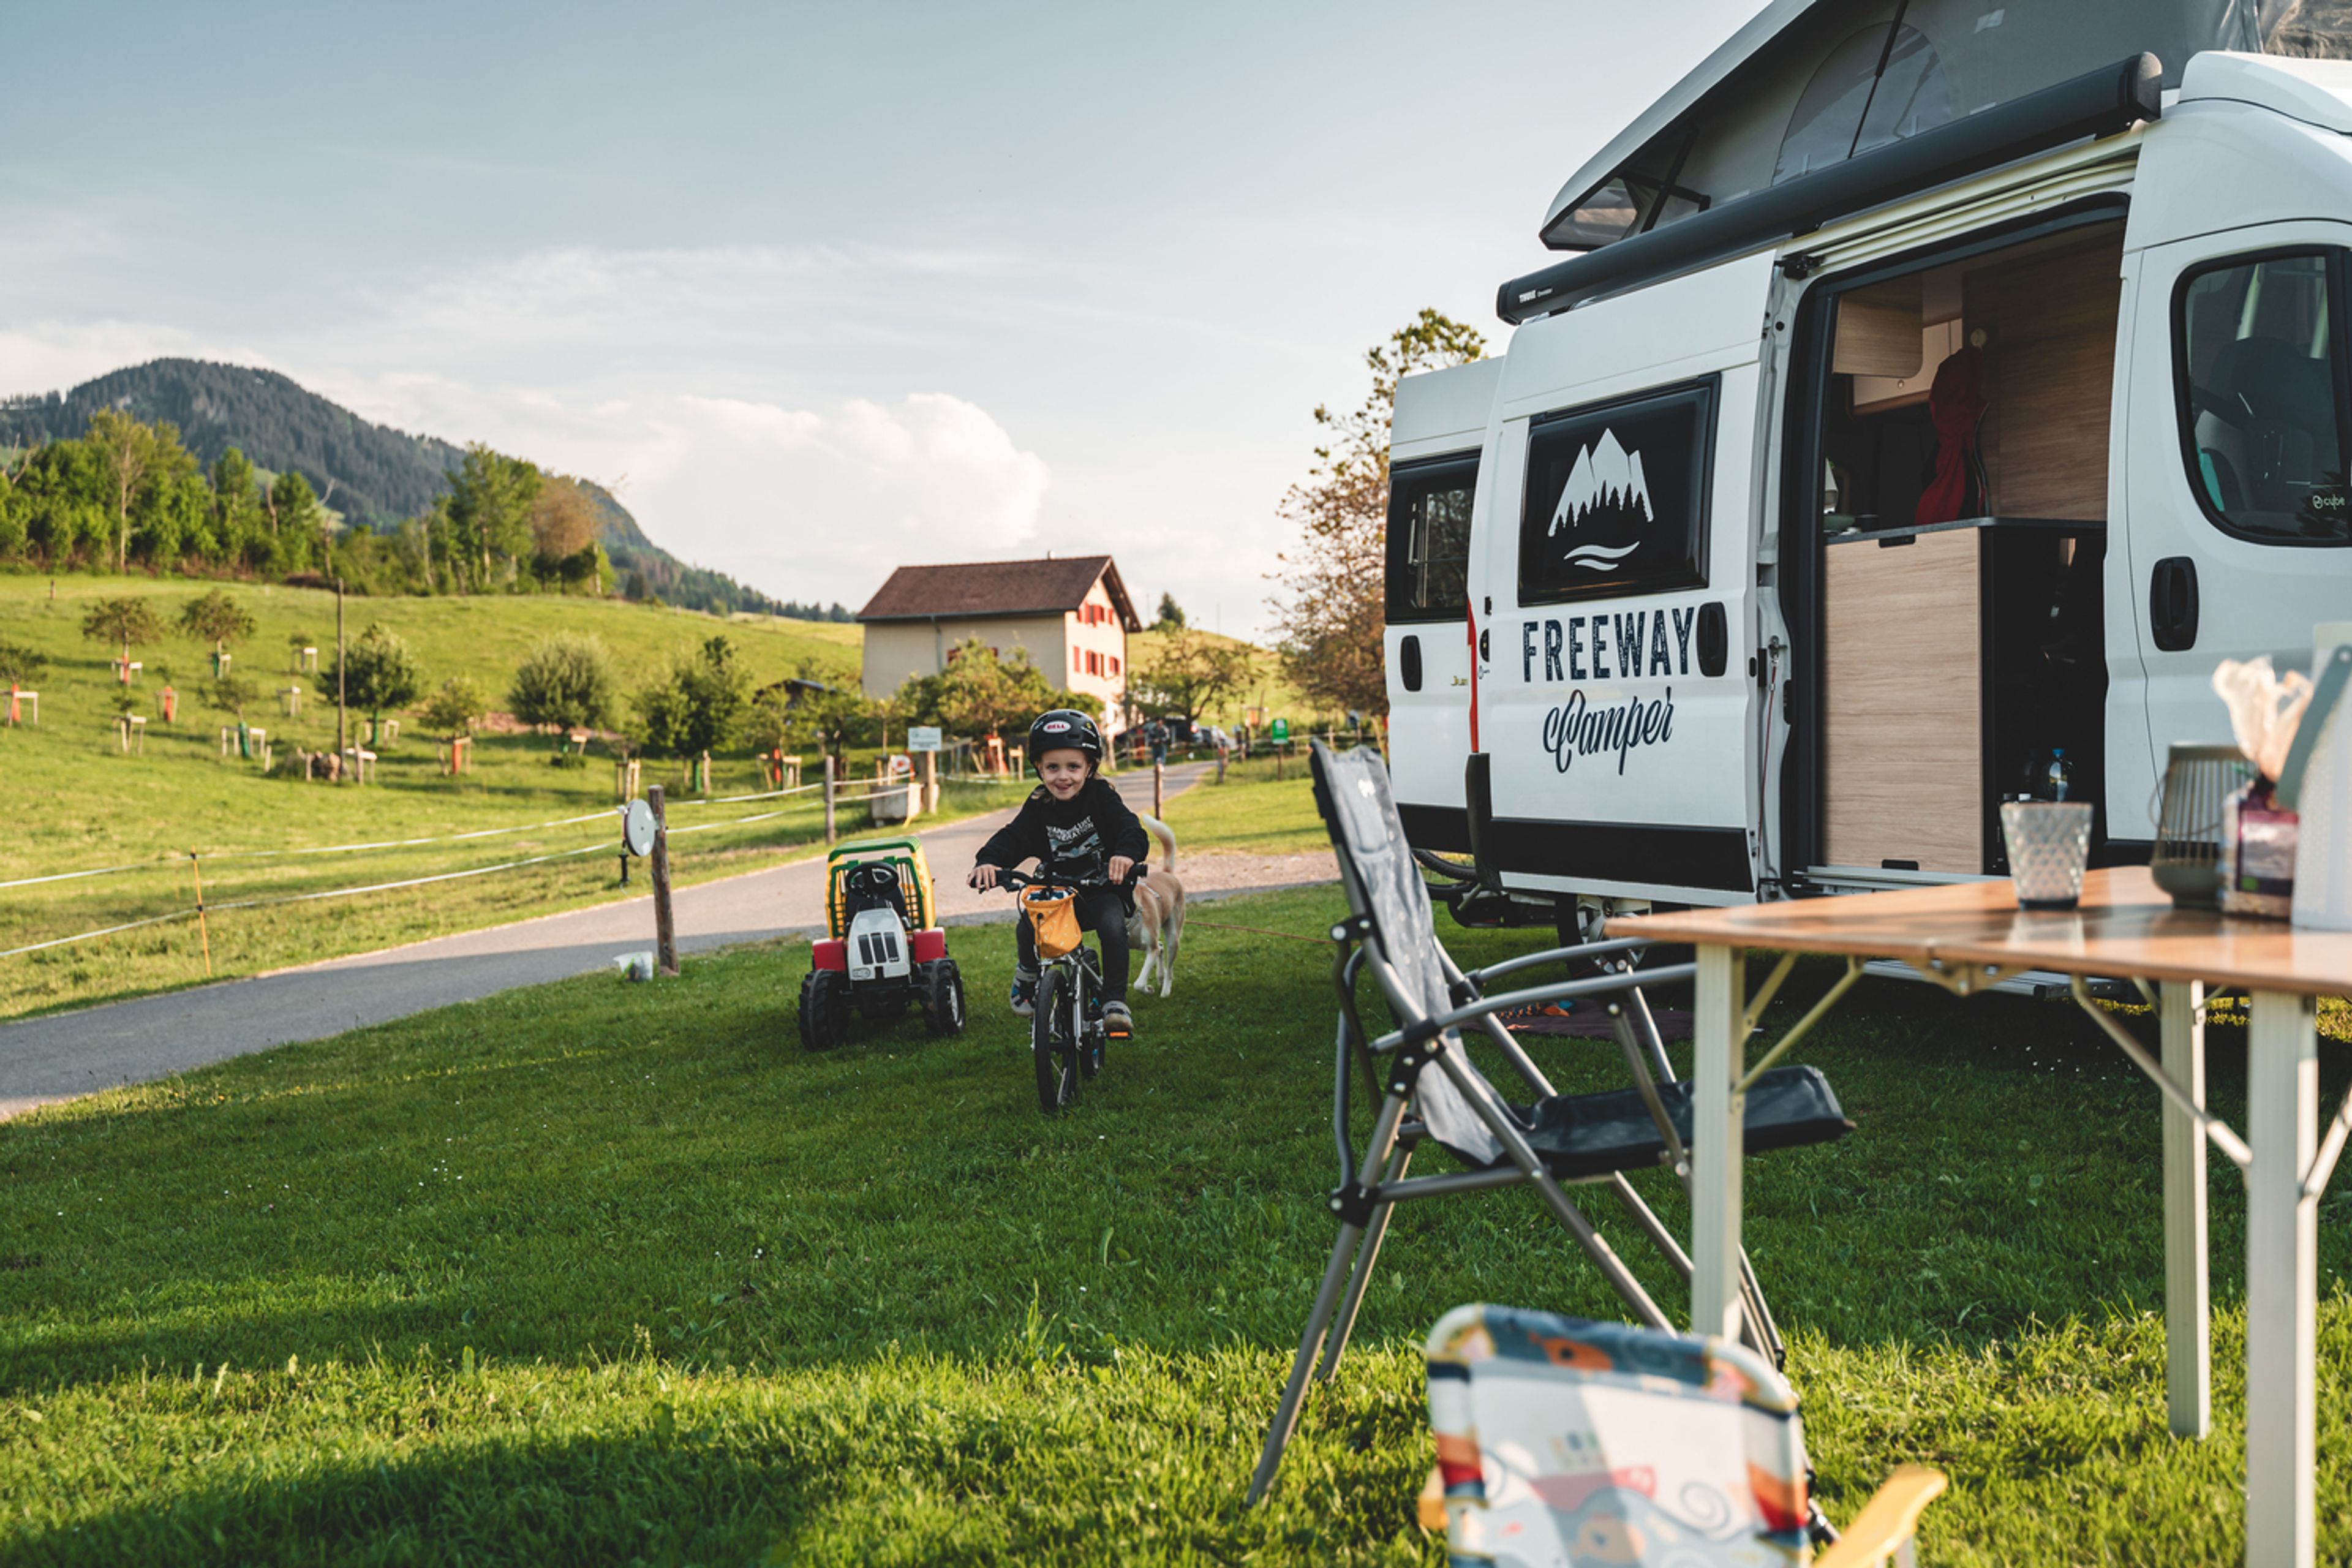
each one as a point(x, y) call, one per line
point(1067, 1036)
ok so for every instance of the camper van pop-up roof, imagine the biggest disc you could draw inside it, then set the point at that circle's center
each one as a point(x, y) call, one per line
point(1797, 120)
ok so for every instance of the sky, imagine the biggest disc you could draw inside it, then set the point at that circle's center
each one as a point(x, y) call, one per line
point(818, 290)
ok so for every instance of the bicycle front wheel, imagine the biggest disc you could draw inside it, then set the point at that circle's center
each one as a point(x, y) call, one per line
point(1051, 1048)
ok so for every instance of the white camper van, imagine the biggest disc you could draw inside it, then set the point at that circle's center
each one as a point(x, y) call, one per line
point(1937, 395)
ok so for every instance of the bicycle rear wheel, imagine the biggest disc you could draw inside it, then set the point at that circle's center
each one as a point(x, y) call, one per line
point(1051, 1050)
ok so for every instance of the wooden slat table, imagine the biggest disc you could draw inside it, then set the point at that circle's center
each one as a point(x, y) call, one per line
point(1965, 937)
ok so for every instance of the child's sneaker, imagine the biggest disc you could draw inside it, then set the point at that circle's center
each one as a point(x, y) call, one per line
point(1118, 1022)
point(1025, 995)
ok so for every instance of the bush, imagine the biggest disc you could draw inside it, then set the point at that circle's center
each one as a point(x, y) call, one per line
point(694, 709)
point(455, 709)
point(565, 681)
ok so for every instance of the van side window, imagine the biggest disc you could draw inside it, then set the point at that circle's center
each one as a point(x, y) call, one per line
point(1616, 497)
point(2259, 346)
point(1429, 538)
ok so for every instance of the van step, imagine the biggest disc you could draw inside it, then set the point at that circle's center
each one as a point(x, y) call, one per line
point(2039, 984)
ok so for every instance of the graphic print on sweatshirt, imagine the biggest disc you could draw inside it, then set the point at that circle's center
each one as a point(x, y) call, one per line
point(1078, 841)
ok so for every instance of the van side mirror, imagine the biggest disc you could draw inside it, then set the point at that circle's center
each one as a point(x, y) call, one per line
point(1714, 640)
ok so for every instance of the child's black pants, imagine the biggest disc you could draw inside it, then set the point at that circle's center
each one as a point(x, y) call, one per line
point(1104, 912)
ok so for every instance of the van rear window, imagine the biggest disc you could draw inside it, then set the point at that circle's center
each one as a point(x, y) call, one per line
point(1616, 497)
point(1429, 538)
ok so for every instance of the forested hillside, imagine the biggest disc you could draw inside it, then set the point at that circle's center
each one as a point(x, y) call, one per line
point(205, 467)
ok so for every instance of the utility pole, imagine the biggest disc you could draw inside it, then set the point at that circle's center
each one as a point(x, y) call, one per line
point(665, 928)
point(342, 740)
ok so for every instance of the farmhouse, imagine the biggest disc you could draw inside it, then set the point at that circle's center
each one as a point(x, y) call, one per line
point(1070, 613)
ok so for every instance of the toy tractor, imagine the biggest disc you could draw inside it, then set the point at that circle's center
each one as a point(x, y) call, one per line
point(882, 949)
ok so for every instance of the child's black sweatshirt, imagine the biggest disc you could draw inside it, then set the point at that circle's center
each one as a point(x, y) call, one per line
point(1094, 826)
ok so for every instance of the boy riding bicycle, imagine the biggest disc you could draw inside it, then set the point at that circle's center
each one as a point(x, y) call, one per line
point(1076, 823)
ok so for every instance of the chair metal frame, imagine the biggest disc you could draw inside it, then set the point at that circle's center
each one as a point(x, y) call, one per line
point(1371, 1185)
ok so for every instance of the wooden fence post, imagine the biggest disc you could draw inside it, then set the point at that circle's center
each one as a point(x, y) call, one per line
point(1158, 787)
point(930, 776)
point(665, 929)
point(828, 797)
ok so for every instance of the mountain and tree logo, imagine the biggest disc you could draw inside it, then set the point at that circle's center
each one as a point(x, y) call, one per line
point(1606, 489)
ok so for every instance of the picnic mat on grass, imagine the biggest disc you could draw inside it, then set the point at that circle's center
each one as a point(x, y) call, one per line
point(1588, 1022)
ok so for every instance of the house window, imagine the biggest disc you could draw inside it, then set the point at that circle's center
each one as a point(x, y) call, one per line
point(1114, 664)
point(1094, 664)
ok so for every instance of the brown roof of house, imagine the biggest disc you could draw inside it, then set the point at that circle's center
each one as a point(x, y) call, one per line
point(974, 589)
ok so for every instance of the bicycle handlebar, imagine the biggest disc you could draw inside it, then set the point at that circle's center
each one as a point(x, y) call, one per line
point(1012, 881)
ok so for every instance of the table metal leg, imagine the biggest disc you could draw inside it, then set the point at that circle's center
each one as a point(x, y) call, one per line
point(1716, 1128)
point(2187, 1339)
point(2282, 1280)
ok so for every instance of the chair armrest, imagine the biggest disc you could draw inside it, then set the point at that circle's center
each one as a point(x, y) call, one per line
point(1601, 949)
point(1432, 1501)
point(1887, 1520)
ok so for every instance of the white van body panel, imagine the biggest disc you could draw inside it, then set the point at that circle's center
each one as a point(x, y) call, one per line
point(2253, 154)
point(1552, 673)
point(2283, 176)
point(1438, 414)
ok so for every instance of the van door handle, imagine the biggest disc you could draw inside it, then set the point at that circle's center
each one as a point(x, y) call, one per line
point(2172, 603)
point(1409, 662)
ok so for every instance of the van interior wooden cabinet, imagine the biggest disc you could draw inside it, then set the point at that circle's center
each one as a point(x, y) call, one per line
point(1960, 660)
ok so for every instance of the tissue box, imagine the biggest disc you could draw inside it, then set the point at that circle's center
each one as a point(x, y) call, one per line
point(2257, 867)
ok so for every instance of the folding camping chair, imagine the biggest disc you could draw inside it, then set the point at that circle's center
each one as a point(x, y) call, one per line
point(1432, 1092)
point(1571, 1442)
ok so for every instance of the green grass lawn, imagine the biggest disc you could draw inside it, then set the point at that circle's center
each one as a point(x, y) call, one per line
point(83, 804)
point(603, 1272)
point(1252, 812)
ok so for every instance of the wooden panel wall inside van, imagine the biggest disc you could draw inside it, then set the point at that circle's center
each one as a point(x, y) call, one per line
point(1902, 749)
point(2049, 366)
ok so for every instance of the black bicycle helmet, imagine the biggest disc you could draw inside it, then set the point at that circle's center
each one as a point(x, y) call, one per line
point(1063, 729)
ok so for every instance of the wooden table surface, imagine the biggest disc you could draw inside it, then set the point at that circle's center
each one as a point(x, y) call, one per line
point(2126, 926)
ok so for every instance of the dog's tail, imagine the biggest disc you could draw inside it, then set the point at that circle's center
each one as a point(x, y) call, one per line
point(1160, 830)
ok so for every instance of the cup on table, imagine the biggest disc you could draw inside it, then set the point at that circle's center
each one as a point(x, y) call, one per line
point(2049, 844)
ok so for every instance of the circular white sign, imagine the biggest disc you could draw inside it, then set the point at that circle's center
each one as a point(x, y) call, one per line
point(637, 828)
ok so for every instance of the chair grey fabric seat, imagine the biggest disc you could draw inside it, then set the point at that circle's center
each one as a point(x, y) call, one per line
point(1579, 1136)
point(1593, 1134)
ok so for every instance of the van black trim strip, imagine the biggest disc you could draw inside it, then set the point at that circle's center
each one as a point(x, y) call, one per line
point(2096, 103)
point(1444, 829)
point(1710, 858)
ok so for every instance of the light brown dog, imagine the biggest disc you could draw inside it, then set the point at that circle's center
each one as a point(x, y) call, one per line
point(1157, 929)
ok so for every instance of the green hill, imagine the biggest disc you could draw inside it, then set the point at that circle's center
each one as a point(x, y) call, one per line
point(371, 474)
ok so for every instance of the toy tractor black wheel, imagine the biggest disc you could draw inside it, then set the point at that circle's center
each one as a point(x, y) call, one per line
point(824, 1009)
point(943, 998)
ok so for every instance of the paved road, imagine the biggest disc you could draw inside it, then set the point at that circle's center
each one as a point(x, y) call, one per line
point(68, 1054)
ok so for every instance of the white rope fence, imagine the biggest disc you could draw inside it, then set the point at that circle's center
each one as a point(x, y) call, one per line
point(856, 789)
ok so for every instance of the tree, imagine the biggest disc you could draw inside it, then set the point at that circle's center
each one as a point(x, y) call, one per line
point(378, 672)
point(295, 516)
point(694, 708)
point(216, 618)
point(128, 452)
point(230, 694)
point(1172, 614)
point(491, 497)
point(126, 623)
point(982, 694)
point(563, 534)
point(236, 506)
point(565, 681)
point(453, 709)
point(809, 714)
point(1328, 612)
point(21, 665)
point(1193, 673)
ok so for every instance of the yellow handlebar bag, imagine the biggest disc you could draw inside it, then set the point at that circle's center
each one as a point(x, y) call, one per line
point(1054, 914)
